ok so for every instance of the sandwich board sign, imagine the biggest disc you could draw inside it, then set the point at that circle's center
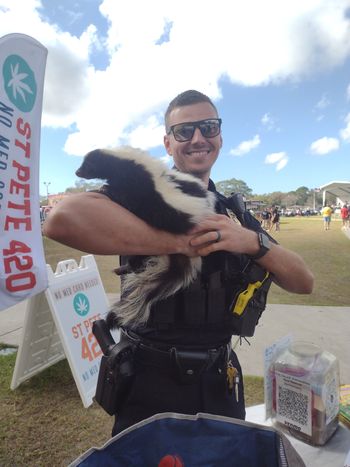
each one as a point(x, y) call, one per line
point(58, 324)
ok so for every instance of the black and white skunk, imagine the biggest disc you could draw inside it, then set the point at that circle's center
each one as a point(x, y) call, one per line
point(167, 200)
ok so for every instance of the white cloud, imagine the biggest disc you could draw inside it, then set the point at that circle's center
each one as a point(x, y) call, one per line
point(67, 70)
point(323, 103)
point(168, 160)
point(146, 135)
point(274, 157)
point(280, 159)
point(345, 132)
point(324, 146)
point(281, 164)
point(268, 121)
point(245, 146)
point(283, 40)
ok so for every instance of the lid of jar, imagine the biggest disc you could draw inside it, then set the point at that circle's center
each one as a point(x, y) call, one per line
point(305, 349)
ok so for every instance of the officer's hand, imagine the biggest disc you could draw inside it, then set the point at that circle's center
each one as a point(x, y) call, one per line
point(181, 244)
point(219, 232)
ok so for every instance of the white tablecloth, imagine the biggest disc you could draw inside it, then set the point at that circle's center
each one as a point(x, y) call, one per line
point(332, 454)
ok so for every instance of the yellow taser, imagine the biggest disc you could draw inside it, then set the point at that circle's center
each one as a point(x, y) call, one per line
point(245, 296)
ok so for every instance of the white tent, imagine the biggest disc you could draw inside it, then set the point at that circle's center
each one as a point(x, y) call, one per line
point(339, 189)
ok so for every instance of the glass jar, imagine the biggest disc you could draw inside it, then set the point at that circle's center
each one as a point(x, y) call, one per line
point(306, 392)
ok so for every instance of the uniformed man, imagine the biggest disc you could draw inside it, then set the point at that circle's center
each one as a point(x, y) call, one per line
point(184, 362)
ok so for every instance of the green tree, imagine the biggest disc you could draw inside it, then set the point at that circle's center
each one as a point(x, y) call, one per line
point(276, 198)
point(83, 185)
point(226, 187)
point(271, 199)
point(289, 199)
point(302, 195)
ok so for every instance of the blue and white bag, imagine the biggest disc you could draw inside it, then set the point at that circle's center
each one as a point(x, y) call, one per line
point(201, 440)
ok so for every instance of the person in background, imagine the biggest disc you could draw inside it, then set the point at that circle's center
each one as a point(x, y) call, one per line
point(184, 360)
point(266, 219)
point(344, 214)
point(275, 220)
point(327, 216)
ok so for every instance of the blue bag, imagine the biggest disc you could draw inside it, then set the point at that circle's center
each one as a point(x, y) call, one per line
point(203, 440)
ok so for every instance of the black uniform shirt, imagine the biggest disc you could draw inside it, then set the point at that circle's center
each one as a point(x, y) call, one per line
point(202, 333)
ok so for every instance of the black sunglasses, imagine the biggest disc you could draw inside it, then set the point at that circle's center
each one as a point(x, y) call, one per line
point(184, 131)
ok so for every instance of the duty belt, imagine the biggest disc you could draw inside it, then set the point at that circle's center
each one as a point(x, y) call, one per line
point(189, 364)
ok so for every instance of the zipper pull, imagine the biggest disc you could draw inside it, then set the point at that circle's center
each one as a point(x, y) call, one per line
point(237, 379)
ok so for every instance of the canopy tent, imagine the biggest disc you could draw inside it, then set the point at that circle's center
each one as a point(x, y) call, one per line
point(339, 189)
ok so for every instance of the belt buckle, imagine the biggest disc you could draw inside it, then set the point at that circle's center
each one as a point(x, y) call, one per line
point(190, 364)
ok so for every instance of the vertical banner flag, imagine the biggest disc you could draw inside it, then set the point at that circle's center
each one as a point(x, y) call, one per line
point(23, 270)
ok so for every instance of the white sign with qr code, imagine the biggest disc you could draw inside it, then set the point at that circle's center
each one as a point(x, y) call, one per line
point(293, 403)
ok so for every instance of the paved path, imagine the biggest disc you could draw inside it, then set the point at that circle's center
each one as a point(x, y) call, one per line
point(346, 231)
point(328, 327)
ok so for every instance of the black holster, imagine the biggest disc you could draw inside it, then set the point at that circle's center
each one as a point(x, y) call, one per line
point(244, 324)
point(116, 370)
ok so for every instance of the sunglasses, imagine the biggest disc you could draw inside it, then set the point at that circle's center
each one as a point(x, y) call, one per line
point(209, 128)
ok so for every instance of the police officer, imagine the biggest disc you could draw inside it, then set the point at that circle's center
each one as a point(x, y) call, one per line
point(183, 358)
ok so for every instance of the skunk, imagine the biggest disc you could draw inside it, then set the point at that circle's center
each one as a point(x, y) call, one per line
point(165, 199)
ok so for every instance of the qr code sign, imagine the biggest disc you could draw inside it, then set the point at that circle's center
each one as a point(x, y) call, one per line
point(293, 403)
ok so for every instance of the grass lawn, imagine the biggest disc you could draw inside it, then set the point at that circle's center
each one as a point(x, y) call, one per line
point(43, 422)
point(326, 253)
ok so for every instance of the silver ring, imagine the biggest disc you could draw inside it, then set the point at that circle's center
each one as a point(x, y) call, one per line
point(218, 238)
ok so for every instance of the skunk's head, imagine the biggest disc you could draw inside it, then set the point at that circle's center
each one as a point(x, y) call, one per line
point(92, 166)
point(105, 163)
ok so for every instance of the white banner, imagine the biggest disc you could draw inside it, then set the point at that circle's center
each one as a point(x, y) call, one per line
point(22, 263)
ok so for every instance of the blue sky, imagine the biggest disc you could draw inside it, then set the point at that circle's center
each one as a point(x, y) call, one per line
point(279, 73)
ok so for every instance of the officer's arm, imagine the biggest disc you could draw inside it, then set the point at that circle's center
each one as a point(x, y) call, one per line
point(91, 222)
point(289, 269)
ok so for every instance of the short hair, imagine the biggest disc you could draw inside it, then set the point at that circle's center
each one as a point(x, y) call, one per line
point(189, 97)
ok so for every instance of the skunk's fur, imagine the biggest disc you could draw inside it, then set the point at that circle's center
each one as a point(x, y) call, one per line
point(166, 199)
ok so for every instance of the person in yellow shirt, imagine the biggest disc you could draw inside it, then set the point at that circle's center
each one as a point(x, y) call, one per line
point(327, 215)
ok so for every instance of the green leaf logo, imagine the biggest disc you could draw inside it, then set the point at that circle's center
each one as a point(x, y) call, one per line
point(81, 304)
point(20, 84)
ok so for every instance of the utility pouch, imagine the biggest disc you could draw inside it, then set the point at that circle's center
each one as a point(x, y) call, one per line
point(190, 364)
point(116, 370)
point(250, 300)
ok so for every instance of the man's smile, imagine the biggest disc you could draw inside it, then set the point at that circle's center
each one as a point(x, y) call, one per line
point(201, 153)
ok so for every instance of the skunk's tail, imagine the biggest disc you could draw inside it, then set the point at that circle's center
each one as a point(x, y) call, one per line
point(162, 277)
